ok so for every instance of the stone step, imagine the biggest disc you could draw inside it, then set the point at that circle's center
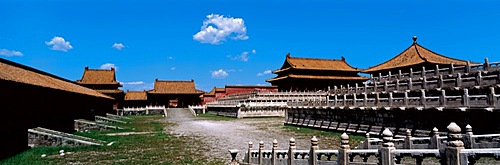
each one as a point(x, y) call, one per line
point(83, 125)
point(103, 119)
point(46, 137)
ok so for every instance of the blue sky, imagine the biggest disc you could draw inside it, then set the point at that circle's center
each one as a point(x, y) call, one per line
point(166, 39)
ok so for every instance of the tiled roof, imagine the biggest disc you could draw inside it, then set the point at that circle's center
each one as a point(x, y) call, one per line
point(136, 95)
point(250, 86)
point(174, 87)
point(98, 76)
point(361, 78)
point(413, 55)
point(109, 90)
point(10, 71)
point(220, 90)
point(211, 93)
point(318, 64)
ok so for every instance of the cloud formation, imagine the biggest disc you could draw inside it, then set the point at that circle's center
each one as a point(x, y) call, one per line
point(137, 85)
point(243, 56)
point(118, 46)
point(264, 73)
point(108, 66)
point(58, 43)
point(220, 74)
point(9, 53)
point(132, 83)
point(172, 68)
point(217, 28)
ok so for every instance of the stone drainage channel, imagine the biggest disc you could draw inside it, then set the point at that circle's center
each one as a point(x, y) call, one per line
point(220, 136)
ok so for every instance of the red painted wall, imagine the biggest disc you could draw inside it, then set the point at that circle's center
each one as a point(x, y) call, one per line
point(237, 90)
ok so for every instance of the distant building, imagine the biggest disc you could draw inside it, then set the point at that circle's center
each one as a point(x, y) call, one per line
point(414, 57)
point(33, 98)
point(174, 93)
point(312, 74)
point(104, 81)
point(237, 89)
point(135, 99)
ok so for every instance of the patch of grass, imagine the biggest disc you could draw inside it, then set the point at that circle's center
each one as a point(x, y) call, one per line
point(335, 136)
point(157, 148)
point(215, 117)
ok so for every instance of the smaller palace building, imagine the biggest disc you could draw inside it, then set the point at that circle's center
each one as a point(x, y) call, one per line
point(174, 93)
point(135, 99)
point(103, 81)
point(314, 74)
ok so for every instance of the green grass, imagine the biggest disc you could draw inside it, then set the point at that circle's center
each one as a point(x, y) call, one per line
point(353, 139)
point(156, 148)
point(215, 117)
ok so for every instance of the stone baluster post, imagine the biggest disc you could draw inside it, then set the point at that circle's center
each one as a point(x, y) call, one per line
point(366, 143)
point(354, 100)
point(410, 84)
point(345, 99)
point(291, 150)
point(479, 78)
point(371, 77)
point(442, 98)
point(491, 97)
point(400, 75)
point(424, 82)
point(436, 71)
point(467, 67)
point(379, 76)
point(454, 145)
point(390, 99)
point(389, 76)
point(261, 150)
point(486, 65)
point(343, 157)
point(422, 97)
point(249, 152)
point(452, 68)
point(386, 156)
point(366, 86)
point(468, 139)
point(365, 100)
point(356, 89)
point(440, 81)
point(458, 81)
point(275, 147)
point(397, 85)
point(408, 142)
point(405, 99)
point(335, 100)
point(377, 99)
point(435, 139)
point(465, 98)
point(348, 88)
point(375, 85)
point(411, 72)
point(335, 89)
point(423, 71)
point(313, 157)
point(233, 153)
point(386, 88)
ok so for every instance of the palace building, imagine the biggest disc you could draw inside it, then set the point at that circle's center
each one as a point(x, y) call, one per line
point(414, 57)
point(312, 74)
point(33, 98)
point(135, 99)
point(174, 93)
point(104, 81)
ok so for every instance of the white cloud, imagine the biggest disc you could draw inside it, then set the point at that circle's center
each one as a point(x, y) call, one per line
point(264, 73)
point(118, 46)
point(172, 68)
point(58, 43)
point(219, 74)
point(108, 66)
point(170, 57)
point(9, 53)
point(254, 51)
point(217, 28)
point(242, 57)
point(132, 83)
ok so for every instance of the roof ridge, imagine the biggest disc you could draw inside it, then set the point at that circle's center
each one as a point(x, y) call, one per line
point(326, 59)
point(174, 80)
point(438, 53)
point(418, 53)
point(391, 58)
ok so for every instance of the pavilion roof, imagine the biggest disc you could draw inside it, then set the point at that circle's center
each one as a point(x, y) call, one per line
point(98, 76)
point(174, 87)
point(413, 55)
point(11, 71)
point(315, 64)
point(136, 95)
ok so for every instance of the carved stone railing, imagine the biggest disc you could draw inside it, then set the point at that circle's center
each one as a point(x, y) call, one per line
point(452, 153)
point(403, 100)
point(143, 110)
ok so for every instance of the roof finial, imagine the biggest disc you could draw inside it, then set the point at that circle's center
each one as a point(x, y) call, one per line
point(288, 55)
point(414, 39)
point(342, 57)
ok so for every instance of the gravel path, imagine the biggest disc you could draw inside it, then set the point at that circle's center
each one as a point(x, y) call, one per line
point(220, 136)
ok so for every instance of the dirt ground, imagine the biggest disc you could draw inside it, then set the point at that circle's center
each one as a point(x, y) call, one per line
point(220, 136)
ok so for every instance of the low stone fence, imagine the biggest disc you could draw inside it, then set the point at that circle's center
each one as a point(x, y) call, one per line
point(453, 153)
point(83, 125)
point(116, 116)
point(197, 109)
point(45, 137)
point(248, 112)
point(102, 119)
point(143, 110)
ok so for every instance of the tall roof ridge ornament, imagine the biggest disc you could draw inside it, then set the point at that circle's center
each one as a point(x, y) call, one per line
point(414, 39)
point(288, 55)
point(342, 57)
